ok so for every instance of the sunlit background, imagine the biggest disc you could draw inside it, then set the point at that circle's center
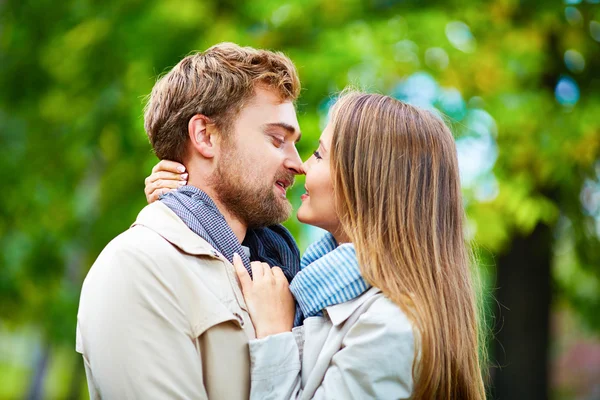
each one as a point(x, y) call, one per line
point(518, 82)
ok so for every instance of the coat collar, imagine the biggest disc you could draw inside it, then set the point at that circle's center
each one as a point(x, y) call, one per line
point(159, 218)
point(339, 313)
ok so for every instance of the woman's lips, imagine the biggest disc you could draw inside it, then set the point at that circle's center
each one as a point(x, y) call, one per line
point(305, 195)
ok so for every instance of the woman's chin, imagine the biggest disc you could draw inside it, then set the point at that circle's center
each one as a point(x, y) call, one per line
point(301, 215)
point(304, 214)
point(306, 217)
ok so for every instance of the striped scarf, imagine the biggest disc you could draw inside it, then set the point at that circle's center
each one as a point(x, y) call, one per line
point(329, 275)
point(273, 244)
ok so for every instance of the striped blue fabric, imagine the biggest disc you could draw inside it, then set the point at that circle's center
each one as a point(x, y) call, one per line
point(329, 275)
point(273, 244)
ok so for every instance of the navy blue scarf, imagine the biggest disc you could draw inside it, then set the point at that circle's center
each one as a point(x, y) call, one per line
point(273, 245)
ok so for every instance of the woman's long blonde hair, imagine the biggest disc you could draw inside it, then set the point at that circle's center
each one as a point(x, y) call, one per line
point(397, 188)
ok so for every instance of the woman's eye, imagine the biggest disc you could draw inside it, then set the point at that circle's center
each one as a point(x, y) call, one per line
point(317, 154)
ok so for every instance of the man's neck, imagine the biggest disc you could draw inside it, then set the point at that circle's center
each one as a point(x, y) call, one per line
point(238, 227)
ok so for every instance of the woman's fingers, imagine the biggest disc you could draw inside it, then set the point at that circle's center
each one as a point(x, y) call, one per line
point(257, 270)
point(270, 303)
point(286, 298)
point(164, 180)
point(165, 184)
point(242, 273)
point(166, 176)
point(152, 196)
point(279, 276)
point(268, 274)
point(169, 166)
point(154, 192)
point(261, 273)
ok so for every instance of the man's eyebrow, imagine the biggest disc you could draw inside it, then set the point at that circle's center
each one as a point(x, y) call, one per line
point(287, 127)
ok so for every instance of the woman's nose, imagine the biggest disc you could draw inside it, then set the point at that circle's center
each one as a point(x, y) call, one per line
point(303, 168)
point(305, 165)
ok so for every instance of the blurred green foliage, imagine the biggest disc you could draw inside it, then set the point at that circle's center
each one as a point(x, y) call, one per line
point(518, 80)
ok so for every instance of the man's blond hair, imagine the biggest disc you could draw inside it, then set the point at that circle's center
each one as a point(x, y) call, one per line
point(216, 83)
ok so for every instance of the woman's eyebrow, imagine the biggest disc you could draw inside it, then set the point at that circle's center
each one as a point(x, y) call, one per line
point(322, 146)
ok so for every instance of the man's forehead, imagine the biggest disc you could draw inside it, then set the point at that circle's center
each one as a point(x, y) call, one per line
point(285, 118)
point(267, 108)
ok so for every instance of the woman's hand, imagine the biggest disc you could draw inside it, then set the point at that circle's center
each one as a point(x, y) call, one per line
point(268, 297)
point(166, 176)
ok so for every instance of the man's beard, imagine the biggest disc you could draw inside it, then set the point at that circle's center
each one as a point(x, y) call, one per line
point(246, 196)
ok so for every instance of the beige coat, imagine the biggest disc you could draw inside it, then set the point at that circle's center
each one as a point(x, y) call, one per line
point(161, 316)
point(360, 349)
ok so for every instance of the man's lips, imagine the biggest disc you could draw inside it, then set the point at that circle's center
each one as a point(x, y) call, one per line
point(281, 188)
point(283, 184)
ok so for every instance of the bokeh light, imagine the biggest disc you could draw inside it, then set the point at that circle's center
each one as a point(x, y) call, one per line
point(567, 91)
point(573, 15)
point(437, 58)
point(460, 36)
point(574, 61)
point(595, 30)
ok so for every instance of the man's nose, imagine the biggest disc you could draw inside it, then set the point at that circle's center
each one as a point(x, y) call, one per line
point(304, 166)
point(293, 162)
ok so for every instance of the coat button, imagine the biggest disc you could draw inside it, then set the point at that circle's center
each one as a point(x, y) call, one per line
point(239, 318)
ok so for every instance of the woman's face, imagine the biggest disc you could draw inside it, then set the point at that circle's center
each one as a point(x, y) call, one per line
point(318, 203)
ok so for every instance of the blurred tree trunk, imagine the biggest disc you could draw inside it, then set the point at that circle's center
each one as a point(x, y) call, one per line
point(36, 387)
point(522, 319)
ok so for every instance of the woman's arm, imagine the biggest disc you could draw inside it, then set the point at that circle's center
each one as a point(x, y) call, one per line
point(275, 367)
point(374, 362)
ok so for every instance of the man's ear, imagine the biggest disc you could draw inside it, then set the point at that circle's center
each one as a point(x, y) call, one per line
point(202, 135)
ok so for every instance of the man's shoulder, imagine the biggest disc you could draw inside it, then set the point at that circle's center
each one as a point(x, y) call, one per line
point(138, 239)
point(138, 248)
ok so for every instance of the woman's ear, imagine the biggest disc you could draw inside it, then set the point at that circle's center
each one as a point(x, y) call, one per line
point(201, 136)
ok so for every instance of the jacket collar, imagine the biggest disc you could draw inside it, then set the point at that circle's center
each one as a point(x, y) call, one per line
point(339, 313)
point(159, 218)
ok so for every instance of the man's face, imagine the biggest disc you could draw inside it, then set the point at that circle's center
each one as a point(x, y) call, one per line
point(259, 160)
